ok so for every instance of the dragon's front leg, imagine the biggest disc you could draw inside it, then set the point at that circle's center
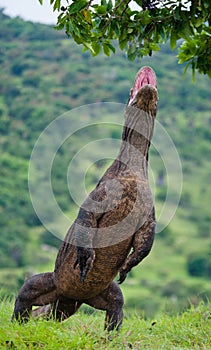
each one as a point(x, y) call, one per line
point(142, 244)
point(84, 231)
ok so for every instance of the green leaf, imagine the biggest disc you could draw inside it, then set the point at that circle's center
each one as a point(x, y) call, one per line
point(77, 39)
point(154, 47)
point(161, 32)
point(139, 2)
point(146, 19)
point(177, 13)
point(185, 69)
point(96, 48)
point(111, 47)
point(186, 31)
point(109, 6)
point(130, 30)
point(77, 6)
point(87, 16)
point(193, 71)
point(101, 10)
point(106, 49)
point(209, 74)
point(61, 22)
point(199, 21)
point(115, 26)
point(131, 51)
point(131, 56)
point(173, 40)
point(56, 5)
point(41, 2)
point(123, 43)
point(101, 24)
point(89, 46)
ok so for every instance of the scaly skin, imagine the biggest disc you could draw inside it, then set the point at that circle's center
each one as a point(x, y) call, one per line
point(114, 229)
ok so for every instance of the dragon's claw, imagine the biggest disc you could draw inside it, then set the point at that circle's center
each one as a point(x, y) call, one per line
point(122, 276)
point(85, 258)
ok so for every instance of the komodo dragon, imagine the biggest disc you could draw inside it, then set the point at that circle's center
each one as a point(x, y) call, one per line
point(114, 229)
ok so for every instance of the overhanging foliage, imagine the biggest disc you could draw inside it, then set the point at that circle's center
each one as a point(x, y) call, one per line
point(140, 26)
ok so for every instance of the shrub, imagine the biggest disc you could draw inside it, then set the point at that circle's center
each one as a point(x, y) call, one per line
point(199, 264)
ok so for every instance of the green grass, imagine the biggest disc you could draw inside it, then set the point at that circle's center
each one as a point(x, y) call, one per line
point(190, 330)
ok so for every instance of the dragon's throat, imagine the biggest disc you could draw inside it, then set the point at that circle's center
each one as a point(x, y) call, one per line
point(146, 75)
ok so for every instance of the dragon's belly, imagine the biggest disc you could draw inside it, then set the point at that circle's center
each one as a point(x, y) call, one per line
point(107, 263)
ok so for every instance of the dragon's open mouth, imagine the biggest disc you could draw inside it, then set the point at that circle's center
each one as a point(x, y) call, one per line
point(145, 76)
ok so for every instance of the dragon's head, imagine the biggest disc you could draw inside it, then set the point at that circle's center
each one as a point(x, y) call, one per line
point(144, 93)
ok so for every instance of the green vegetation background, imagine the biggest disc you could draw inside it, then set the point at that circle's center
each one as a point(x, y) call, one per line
point(44, 75)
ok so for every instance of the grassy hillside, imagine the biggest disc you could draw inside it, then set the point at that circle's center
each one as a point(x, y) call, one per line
point(44, 75)
point(190, 330)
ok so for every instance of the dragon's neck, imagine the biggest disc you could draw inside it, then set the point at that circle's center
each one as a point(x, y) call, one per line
point(136, 137)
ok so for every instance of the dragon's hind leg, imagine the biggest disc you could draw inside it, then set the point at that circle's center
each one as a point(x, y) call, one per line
point(60, 310)
point(111, 300)
point(37, 290)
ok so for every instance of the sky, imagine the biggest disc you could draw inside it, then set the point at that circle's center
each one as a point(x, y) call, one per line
point(30, 10)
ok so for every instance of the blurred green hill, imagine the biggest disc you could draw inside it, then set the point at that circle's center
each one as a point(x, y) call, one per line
point(44, 75)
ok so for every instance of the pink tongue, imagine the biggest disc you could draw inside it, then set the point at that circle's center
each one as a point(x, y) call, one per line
point(144, 81)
